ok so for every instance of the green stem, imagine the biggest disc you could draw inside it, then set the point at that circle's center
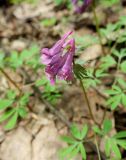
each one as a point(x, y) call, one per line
point(88, 104)
point(118, 66)
point(98, 151)
point(113, 47)
point(116, 42)
point(98, 29)
point(119, 61)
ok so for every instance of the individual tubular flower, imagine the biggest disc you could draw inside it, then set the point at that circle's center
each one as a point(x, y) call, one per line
point(59, 59)
point(66, 72)
point(54, 53)
point(81, 5)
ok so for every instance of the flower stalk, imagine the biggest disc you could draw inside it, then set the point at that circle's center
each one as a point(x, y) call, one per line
point(88, 104)
point(98, 151)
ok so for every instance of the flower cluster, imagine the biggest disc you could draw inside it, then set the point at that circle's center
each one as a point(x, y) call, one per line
point(59, 59)
point(81, 5)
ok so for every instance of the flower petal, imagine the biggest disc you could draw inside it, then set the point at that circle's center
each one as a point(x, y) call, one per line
point(66, 72)
point(82, 8)
point(58, 47)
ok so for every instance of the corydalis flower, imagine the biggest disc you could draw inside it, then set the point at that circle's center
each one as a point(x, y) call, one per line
point(66, 72)
point(81, 5)
point(52, 54)
point(59, 59)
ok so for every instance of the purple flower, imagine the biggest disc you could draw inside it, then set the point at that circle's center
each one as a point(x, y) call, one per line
point(52, 54)
point(81, 5)
point(59, 58)
point(66, 72)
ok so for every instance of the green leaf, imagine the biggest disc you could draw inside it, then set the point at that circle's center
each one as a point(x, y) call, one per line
point(114, 101)
point(115, 149)
point(123, 66)
point(85, 41)
point(4, 103)
point(74, 153)
point(109, 30)
point(67, 151)
point(117, 88)
point(67, 139)
point(107, 147)
point(50, 88)
point(107, 126)
point(22, 112)
point(41, 82)
point(122, 20)
point(124, 100)
point(123, 50)
point(6, 115)
point(121, 134)
point(112, 92)
point(121, 143)
point(121, 82)
point(99, 73)
point(122, 38)
point(89, 82)
point(82, 151)
point(34, 49)
point(107, 61)
point(79, 71)
point(58, 2)
point(24, 99)
point(116, 53)
point(14, 60)
point(25, 54)
point(12, 122)
point(84, 131)
point(29, 53)
point(97, 130)
point(49, 22)
point(97, 81)
point(75, 131)
point(20, 1)
point(11, 94)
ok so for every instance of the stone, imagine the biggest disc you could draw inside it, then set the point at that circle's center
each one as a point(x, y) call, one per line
point(16, 146)
point(47, 144)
